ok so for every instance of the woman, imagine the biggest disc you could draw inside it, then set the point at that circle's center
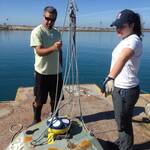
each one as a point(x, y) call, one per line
point(122, 81)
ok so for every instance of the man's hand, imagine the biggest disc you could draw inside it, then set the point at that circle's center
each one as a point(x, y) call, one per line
point(41, 51)
point(57, 45)
point(108, 86)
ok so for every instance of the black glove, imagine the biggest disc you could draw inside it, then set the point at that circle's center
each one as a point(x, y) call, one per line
point(108, 86)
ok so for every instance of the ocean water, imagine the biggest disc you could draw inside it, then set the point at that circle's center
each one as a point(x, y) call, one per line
point(94, 57)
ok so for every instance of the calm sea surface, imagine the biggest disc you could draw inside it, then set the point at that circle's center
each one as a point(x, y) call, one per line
point(94, 57)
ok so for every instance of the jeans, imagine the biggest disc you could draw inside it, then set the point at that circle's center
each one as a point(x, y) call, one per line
point(124, 101)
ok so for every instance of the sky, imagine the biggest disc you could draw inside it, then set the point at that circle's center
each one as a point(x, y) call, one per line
point(97, 13)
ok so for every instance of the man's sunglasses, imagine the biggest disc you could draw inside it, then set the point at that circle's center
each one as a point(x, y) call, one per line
point(49, 19)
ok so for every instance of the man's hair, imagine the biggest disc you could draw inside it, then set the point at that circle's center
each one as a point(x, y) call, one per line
point(51, 9)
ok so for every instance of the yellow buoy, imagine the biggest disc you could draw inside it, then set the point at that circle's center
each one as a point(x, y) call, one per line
point(57, 126)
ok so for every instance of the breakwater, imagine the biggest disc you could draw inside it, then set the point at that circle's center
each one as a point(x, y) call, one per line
point(79, 29)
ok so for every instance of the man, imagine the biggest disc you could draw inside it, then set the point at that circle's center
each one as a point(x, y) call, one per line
point(46, 41)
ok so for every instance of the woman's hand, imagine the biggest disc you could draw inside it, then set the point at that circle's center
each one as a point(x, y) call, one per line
point(108, 86)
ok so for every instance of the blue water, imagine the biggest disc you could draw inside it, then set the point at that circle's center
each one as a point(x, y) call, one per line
point(94, 56)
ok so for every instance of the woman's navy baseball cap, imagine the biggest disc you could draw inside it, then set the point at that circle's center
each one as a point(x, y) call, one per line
point(125, 16)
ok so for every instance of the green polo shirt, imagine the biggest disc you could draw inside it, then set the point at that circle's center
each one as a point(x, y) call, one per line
point(49, 64)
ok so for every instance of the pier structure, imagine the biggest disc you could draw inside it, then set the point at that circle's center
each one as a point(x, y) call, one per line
point(97, 110)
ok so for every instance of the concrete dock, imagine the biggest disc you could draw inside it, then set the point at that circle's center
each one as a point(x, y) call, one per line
point(97, 113)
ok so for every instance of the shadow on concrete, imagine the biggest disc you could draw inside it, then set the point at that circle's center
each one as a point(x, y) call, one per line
point(143, 120)
point(107, 145)
point(111, 146)
point(107, 115)
point(99, 116)
point(138, 110)
point(75, 129)
point(142, 146)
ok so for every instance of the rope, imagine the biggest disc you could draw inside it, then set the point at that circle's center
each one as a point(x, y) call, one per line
point(15, 128)
point(65, 18)
point(70, 67)
point(58, 64)
point(11, 129)
point(65, 77)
